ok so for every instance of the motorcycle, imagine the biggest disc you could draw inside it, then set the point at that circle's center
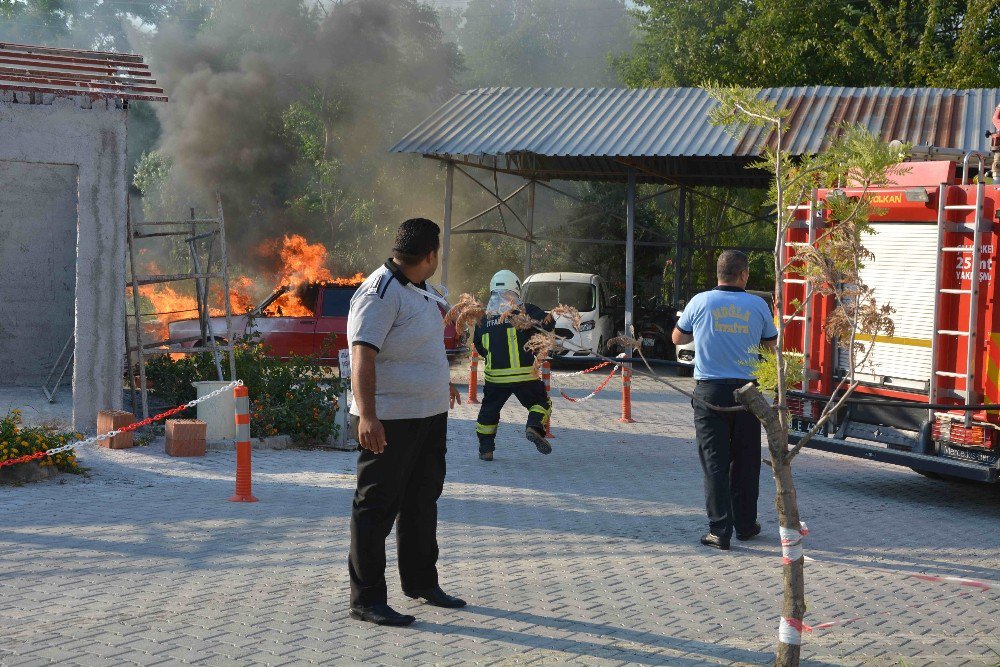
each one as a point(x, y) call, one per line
point(654, 328)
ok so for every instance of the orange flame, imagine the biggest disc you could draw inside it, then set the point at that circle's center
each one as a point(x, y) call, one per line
point(353, 281)
point(302, 264)
point(241, 295)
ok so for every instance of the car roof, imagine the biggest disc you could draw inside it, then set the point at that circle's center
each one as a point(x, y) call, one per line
point(561, 277)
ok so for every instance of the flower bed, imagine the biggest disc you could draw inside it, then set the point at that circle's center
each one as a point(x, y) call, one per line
point(17, 440)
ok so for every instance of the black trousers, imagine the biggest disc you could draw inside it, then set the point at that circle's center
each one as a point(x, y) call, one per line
point(401, 485)
point(729, 448)
point(530, 394)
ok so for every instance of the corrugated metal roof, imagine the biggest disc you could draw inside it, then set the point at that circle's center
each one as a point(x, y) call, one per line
point(94, 74)
point(594, 132)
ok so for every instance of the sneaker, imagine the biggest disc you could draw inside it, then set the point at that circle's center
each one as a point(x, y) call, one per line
point(486, 456)
point(537, 438)
point(750, 534)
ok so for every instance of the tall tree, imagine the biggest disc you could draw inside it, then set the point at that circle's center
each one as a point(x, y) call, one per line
point(947, 43)
point(830, 268)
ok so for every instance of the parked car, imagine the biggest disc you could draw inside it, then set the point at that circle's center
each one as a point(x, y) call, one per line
point(685, 352)
point(588, 293)
point(304, 335)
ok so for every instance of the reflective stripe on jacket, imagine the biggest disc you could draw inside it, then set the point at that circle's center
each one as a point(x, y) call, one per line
point(501, 346)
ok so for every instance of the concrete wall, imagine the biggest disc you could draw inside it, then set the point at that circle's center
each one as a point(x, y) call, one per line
point(89, 136)
point(37, 268)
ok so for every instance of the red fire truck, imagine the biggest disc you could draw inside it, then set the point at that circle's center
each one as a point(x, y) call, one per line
point(929, 396)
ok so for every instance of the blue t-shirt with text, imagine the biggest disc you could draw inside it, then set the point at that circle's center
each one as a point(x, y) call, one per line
point(727, 323)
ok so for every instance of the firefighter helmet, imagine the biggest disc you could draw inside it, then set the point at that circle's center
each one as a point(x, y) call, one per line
point(505, 280)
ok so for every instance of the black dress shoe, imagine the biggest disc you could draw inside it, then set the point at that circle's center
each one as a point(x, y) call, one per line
point(537, 438)
point(486, 456)
point(715, 541)
point(750, 534)
point(381, 614)
point(437, 597)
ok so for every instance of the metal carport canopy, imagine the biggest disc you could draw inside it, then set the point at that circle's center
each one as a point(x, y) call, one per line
point(662, 135)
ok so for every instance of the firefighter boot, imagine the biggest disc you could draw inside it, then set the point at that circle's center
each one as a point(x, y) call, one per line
point(537, 437)
point(487, 440)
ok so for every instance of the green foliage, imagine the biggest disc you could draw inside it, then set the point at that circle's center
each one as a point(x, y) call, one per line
point(17, 440)
point(288, 397)
point(763, 43)
point(765, 367)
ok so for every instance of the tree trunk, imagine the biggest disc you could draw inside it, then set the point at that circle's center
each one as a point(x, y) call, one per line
point(794, 600)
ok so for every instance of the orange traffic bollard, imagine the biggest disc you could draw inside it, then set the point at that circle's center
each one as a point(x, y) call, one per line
point(627, 394)
point(474, 377)
point(547, 379)
point(243, 492)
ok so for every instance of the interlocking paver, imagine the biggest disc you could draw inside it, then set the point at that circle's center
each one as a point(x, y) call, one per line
point(588, 556)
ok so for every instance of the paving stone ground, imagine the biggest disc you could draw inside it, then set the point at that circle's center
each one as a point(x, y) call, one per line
point(589, 556)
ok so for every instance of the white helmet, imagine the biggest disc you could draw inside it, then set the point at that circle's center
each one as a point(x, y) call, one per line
point(505, 280)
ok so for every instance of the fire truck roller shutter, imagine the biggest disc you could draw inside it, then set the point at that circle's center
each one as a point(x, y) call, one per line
point(902, 274)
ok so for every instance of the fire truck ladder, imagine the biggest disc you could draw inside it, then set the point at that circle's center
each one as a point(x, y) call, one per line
point(949, 246)
point(197, 233)
point(812, 221)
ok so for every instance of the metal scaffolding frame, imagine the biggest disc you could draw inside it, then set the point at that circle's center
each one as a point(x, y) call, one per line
point(201, 246)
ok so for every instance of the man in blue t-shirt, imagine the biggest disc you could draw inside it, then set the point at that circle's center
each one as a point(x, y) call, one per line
point(726, 325)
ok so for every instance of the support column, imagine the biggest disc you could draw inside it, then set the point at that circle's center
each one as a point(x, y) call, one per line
point(530, 224)
point(449, 185)
point(629, 252)
point(679, 248)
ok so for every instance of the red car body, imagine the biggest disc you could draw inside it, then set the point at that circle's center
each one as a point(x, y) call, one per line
point(303, 336)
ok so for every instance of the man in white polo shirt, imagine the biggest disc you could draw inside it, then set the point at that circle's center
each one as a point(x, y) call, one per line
point(401, 383)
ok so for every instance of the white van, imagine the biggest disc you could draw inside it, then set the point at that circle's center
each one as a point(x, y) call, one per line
point(588, 293)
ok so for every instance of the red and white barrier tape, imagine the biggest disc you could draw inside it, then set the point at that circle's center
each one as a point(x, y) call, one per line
point(790, 629)
point(788, 626)
point(791, 543)
point(125, 429)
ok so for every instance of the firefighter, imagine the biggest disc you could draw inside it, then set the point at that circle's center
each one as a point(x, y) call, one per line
point(510, 369)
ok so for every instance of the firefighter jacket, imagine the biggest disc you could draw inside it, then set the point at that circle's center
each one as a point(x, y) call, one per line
point(501, 346)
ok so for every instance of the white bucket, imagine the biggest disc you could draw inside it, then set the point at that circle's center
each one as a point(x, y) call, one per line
point(219, 414)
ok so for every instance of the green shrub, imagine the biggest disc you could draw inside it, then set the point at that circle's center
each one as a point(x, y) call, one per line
point(288, 397)
point(18, 440)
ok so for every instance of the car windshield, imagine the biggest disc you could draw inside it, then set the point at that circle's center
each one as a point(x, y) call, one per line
point(337, 301)
point(548, 295)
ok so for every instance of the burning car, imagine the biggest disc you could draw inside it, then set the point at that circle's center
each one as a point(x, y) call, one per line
point(298, 321)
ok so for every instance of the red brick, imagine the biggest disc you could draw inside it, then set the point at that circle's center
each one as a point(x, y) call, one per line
point(185, 447)
point(185, 437)
point(186, 429)
point(112, 420)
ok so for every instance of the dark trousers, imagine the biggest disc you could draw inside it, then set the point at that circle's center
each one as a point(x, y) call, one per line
point(729, 447)
point(530, 394)
point(401, 485)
